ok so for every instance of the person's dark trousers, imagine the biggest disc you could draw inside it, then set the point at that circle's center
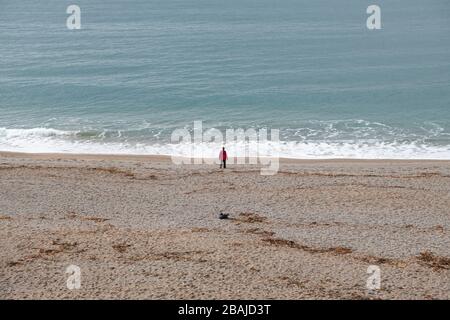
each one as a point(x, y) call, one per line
point(223, 163)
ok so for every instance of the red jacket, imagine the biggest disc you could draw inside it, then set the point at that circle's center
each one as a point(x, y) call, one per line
point(223, 155)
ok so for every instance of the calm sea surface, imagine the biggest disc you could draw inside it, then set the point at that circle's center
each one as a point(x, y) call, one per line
point(139, 69)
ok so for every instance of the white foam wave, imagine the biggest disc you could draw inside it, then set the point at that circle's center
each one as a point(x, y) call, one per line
point(44, 140)
point(30, 133)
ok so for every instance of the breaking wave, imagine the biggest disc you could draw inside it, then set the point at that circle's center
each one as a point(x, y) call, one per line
point(48, 140)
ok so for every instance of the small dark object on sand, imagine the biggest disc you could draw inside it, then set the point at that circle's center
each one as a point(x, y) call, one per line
point(223, 216)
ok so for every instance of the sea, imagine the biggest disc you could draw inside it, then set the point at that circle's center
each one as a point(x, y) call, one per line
point(138, 70)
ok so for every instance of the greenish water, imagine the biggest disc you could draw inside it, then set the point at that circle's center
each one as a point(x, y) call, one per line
point(137, 70)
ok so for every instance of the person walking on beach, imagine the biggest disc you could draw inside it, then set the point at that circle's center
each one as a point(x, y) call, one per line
point(223, 157)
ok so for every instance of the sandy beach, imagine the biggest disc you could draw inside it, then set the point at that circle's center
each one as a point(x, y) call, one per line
point(141, 227)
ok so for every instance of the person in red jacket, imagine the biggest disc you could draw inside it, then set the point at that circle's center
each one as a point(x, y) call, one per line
point(223, 157)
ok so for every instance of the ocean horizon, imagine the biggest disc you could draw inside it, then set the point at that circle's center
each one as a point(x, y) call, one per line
point(138, 70)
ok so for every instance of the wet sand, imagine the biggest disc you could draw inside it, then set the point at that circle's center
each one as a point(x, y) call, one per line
point(142, 227)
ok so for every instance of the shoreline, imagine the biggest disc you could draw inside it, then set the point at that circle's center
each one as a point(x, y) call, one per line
point(167, 158)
